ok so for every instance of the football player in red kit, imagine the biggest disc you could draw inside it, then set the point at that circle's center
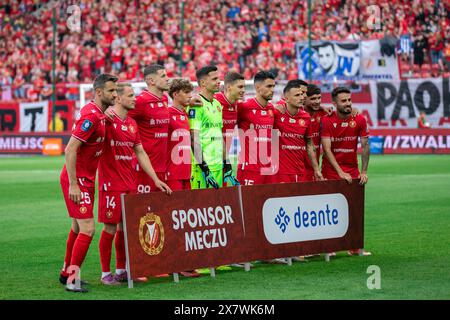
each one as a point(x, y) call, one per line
point(255, 122)
point(339, 134)
point(179, 151)
point(293, 126)
point(152, 117)
point(77, 178)
point(313, 107)
point(117, 176)
point(234, 89)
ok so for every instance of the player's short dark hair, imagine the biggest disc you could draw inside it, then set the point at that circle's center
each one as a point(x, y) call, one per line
point(121, 87)
point(260, 76)
point(336, 91)
point(152, 69)
point(312, 90)
point(179, 84)
point(101, 80)
point(297, 83)
point(204, 71)
point(231, 77)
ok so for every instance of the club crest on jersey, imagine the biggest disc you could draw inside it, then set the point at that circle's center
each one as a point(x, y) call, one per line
point(151, 234)
point(352, 124)
point(124, 128)
point(344, 124)
point(270, 113)
point(109, 214)
point(86, 125)
point(131, 128)
point(191, 114)
point(318, 119)
point(83, 210)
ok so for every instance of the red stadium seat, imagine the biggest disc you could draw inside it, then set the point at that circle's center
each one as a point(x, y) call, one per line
point(426, 75)
point(416, 68)
point(446, 75)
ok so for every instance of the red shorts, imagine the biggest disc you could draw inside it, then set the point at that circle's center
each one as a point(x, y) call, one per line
point(84, 210)
point(110, 206)
point(250, 178)
point(289, 178)
point(177, 185)
point(309, 175)
point(331, 174)
point(145, 184)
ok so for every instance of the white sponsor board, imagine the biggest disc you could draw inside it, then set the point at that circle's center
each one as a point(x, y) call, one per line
point(305, 218)
point(34, 117)
point(376, 65)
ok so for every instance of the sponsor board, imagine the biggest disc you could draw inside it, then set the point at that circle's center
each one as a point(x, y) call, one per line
point(207, 228)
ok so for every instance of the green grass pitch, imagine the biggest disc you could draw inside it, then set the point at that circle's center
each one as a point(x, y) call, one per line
point(407, 228)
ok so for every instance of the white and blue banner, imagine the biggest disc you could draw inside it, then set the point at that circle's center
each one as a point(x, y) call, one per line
point(330, 60)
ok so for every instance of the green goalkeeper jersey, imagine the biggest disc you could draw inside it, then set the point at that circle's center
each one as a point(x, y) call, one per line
point(207, 119)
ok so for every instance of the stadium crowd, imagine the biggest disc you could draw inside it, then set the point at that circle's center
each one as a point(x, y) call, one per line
point(123, 36)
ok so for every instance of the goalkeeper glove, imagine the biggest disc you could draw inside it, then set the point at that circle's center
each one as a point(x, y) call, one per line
point(228, 177)
point(210, 181)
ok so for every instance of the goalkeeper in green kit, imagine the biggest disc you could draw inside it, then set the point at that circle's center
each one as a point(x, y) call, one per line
point(210, 166)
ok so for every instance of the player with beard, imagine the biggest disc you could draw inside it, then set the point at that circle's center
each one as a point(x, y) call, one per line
point(255, 122)
point(339, 135)
point(116, 176)
point(77, 177)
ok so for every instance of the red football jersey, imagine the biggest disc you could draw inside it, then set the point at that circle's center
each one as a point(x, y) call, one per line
point(344, 135)
point(314, 134)
point(152, 117)
point(116, 172)
point(179, 152)
point(229, 116)
point(229, 113)
point(257, 144)
point(89, 129)
point(293, 132)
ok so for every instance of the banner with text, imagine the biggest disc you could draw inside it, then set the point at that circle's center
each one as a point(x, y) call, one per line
point(412, 141)
point(29, 143)
point(206, 228)
point(36, 116)
point(376, 63)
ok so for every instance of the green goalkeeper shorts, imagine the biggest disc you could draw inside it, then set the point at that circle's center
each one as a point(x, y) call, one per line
point(198, 181)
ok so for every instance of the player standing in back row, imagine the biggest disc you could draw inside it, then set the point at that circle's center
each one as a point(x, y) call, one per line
point(255, 122)
point(152, 117)
point(234, 89)
point(207, 144)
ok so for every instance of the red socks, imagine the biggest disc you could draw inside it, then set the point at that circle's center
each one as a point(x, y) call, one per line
point(69, 247)
point(105, 247)
point(120, 250)
point(80, 249)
